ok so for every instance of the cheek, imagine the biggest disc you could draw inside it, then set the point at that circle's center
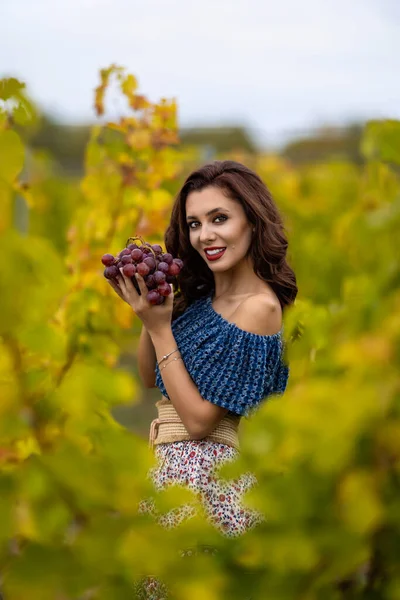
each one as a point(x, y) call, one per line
point(245, 237)
point(193, 238)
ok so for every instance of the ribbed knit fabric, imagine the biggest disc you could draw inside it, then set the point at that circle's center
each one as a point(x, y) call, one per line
point(230, 367)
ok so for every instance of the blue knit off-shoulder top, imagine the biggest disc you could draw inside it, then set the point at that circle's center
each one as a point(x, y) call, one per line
point(230, 367)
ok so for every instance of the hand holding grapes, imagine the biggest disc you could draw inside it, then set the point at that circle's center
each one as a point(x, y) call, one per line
point(141, 276)
point(154, 318)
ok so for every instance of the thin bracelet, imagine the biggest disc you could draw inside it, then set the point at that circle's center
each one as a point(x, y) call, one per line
point(168, 363)
point(166, 356)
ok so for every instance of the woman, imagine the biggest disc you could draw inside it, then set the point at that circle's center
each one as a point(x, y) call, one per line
point(215, 351)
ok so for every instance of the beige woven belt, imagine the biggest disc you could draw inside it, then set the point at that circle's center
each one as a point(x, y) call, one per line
point(168, 427)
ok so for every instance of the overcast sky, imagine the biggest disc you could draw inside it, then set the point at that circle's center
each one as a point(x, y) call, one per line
point(279, 67)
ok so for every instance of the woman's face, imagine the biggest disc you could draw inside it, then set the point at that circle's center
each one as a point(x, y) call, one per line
point(217, 222)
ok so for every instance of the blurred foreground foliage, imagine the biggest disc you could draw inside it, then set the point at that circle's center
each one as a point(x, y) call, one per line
point(326, 455)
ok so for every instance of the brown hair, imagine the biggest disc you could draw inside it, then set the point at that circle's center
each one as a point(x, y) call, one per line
point(269, 246)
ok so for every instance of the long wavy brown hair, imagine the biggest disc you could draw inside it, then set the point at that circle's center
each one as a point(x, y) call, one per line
point(269, 245)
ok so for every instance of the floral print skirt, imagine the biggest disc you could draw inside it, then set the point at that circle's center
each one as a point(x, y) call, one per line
point(195, 464)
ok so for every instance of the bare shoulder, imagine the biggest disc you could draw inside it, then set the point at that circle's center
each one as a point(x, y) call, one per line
point(259, 314)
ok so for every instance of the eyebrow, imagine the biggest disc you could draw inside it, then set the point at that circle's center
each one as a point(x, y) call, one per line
point(210, 212)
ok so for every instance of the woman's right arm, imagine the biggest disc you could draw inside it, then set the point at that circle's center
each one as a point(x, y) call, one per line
point(147, 359)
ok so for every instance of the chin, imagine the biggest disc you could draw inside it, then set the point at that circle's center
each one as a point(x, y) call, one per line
point(220, 267)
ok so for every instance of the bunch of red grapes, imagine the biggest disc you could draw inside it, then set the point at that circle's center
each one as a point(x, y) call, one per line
point(158, 268)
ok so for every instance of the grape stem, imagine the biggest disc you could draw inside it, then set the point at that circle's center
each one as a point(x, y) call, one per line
point(137, 237)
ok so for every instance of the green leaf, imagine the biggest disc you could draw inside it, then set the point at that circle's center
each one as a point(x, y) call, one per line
point(381, 140)
point(12, 155)
point(10, 87)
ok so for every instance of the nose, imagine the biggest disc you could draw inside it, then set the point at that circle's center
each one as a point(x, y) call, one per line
point(206, 234)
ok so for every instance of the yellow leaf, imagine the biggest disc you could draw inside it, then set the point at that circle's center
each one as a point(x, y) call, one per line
point(26, 447)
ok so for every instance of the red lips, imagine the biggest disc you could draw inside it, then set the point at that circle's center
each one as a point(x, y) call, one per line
point(214, 256)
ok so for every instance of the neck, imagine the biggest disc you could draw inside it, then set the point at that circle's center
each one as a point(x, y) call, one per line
point(236, 282)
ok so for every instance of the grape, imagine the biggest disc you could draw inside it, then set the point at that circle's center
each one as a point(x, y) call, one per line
point(164, 289)
point(178, 262)
point(129, 270)
point(159, 269)
point(163, 266)
point(159, 277)
point(126, 259)
point(143, 269)
point(151, 284)
point(107, 260)
point(168, 258)
point(150, 262)
point(137, 255)
point(111, 272)
point(174, 269)
point(153, 297)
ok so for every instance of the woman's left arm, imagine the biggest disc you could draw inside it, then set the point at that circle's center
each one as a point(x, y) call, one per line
point(199, 416)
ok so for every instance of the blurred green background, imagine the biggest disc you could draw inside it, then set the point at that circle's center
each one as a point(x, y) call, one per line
point(304, 95)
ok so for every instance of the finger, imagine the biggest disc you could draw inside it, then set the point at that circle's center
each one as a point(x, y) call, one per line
point(113, 283)
point(170, 297)
point(127, 280)
point(142, 286)
point(122, 281)
point(115, 287)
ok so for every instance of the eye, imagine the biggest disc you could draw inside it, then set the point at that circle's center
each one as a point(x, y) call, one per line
point(215, 218)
